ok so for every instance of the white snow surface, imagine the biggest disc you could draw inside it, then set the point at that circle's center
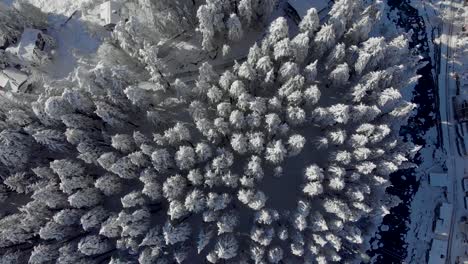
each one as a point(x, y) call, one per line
point(423, 214)
point(73, 37)
point(61, 7)
point(437, 254)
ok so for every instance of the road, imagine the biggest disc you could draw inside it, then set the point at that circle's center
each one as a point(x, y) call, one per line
point(455, 163)
point(451, 164)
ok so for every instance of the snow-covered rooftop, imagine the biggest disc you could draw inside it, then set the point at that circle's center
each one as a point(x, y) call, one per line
point(438, 252)
point(110, 12)
point(11, 78)
point(445, 217)
point(437, 179)
point(33, 45)
point(3, 80)
point(28, 43)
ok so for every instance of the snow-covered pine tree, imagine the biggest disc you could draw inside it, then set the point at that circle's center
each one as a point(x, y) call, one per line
point(100, 163)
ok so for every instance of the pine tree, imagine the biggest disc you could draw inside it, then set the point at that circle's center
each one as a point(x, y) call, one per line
point(310, 22)
point(94, 245)
point(175, 234)
point(234, 28)
point(226, 247)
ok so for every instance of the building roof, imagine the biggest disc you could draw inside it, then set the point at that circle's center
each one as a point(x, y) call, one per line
point(437, 179)
point(440, 228)
point(3, 80)
point(27, 43)
point(446, 211)
point(33, 45)
point(301, 6)
point(110, 12)
point(438, 253)
point(15, 78)
point(445, 217)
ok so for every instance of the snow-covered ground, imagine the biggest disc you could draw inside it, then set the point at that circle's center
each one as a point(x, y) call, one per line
point(72, 39)
point(443, 28)
point(72, 35)
point(62, 7)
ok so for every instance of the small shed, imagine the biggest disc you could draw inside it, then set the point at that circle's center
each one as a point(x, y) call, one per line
point(13, 80)
point(437, 179)
point(438, 253)
point(110, 13)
